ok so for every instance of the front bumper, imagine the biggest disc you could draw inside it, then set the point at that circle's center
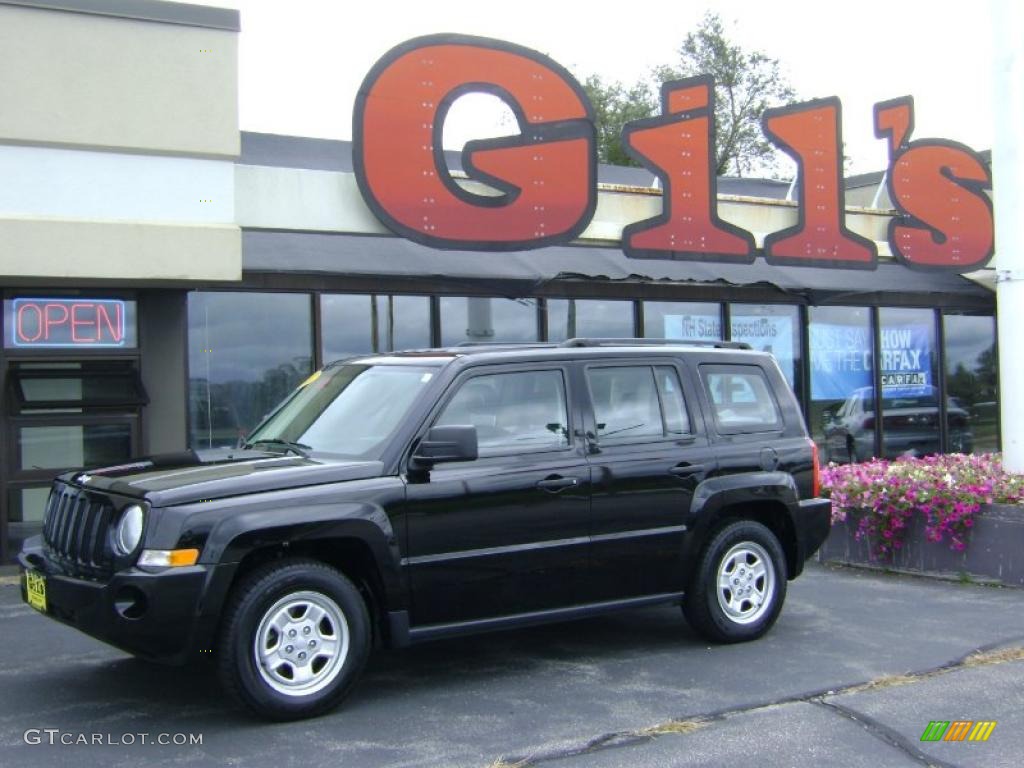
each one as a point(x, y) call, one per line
point(153, 615)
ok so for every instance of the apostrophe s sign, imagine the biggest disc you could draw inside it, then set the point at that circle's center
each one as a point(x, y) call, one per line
point(546, 175)
point(938, 188)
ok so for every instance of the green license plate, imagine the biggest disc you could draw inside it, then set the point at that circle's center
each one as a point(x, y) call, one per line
point(35, 590)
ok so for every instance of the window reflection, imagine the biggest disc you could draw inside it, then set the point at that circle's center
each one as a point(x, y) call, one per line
point(841, 380)
point(246, 352)
point(595, 318)
point(487, 319)
point(771, 328)
point(910, 393)
point(693, 321)
point(358, 324)
point(971, 380)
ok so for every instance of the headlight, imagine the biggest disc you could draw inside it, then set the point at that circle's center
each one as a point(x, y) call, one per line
point(129, 530)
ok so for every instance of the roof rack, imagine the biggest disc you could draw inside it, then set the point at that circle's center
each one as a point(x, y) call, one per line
point(507, 344)
point(585, 342)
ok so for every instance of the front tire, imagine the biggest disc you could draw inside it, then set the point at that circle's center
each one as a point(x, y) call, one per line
point(295, 638)
point(739, 585)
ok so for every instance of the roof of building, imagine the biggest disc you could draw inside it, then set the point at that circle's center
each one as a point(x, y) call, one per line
point(336, 155)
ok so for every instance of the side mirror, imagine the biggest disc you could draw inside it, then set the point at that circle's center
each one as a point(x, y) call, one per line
point(452, 443)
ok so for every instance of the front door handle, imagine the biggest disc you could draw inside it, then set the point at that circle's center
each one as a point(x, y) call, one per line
point(556, 483)
point(684, 470)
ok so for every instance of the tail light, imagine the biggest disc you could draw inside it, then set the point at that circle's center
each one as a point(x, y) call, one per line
point(815, 469)
point(869, 423)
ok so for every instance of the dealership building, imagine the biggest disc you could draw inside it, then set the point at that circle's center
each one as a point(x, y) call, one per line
point(167, 278)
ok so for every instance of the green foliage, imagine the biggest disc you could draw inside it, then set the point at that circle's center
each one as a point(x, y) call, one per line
point(746, 83)
point(615, 105)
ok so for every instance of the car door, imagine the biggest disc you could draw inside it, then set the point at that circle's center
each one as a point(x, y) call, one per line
point(648, 453)
point(507, 533)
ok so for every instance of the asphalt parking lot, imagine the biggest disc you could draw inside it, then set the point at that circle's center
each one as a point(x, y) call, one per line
point(852, 674)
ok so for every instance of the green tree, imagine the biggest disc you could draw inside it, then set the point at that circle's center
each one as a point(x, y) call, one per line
point(746, 84)
point(615, 105)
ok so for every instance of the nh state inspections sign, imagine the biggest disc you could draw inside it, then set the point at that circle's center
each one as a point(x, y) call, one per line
point(546, 176)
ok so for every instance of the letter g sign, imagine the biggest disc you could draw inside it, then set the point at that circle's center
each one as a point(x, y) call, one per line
point(546, 176)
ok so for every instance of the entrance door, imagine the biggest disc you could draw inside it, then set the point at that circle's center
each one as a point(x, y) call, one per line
point(62, 415)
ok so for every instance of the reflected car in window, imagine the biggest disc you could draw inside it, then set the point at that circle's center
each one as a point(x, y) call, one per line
point(910, 426)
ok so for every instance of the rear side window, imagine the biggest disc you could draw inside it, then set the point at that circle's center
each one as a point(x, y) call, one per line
point(632, 402)
point(512, 412)
point(741, 398)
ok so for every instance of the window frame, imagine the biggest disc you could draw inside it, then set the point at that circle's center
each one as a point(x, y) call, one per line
point(20, 405)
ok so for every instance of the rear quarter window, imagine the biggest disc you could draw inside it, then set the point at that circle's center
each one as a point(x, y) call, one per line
point(741, 399)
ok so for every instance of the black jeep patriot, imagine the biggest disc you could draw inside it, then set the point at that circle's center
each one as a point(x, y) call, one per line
point(419, 495)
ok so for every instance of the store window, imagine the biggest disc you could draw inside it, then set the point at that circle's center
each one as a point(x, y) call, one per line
point(594, 318)
point(487, 319)
point(771, 328)
point(910, 391)
point(358, 324)
point(971, 383)
point(693, 321)
point(246, 352)
point(841, 344)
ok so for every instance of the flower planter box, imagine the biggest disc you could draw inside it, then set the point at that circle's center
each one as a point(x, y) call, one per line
point(995, 547)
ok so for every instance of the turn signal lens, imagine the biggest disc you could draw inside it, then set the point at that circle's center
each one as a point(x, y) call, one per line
point(816, 469)
point(168, 558)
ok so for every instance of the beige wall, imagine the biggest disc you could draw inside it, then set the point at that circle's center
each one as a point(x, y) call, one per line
point(97, 81)
point(89, 250)
point(118, 138)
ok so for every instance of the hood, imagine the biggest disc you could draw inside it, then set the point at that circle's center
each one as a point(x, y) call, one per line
point(191, 476)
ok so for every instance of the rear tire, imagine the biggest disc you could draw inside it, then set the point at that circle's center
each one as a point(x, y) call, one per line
point(295, 638)
point(739, 585)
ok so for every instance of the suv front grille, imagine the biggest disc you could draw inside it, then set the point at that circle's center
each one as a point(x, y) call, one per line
point(75, 530)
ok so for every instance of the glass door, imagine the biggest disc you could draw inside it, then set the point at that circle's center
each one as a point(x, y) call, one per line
point(62, 416)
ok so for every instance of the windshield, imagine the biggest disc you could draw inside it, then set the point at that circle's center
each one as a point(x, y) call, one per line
point(349, 410)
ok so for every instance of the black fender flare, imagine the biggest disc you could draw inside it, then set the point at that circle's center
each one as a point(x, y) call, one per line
point(239, 535)
point(716, 494)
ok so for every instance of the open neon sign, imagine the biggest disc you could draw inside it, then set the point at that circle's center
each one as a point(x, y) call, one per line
point(39, 323)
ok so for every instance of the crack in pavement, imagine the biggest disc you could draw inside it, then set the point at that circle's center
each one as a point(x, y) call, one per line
point(884, 733)
point(991, 653)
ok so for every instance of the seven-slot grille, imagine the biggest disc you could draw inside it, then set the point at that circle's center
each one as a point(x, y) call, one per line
point(75, 528)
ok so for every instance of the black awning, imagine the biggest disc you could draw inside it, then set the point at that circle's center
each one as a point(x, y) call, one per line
point(386, 256)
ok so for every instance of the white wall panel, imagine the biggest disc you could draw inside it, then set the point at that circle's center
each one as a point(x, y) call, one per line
point(109, 186)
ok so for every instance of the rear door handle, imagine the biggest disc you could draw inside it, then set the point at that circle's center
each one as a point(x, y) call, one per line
point(556, 483)
point(684, 470)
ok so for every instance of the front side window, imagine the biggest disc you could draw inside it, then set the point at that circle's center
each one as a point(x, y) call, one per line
point(350, 410)
point(740, 398)
point(512, 412)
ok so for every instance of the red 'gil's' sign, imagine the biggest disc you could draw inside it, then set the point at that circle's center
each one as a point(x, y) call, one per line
point(547, 175)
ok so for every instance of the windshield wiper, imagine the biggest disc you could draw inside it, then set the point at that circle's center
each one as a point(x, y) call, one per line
point(298, 448)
